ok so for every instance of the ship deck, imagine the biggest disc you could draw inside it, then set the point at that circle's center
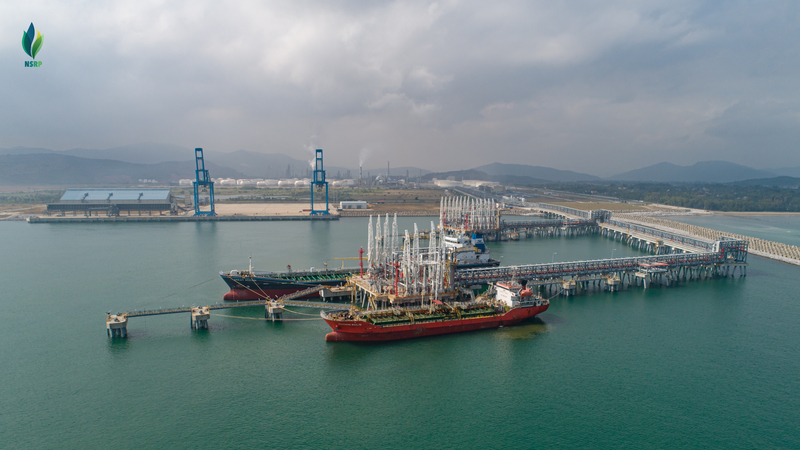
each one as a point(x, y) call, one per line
point(364, 284)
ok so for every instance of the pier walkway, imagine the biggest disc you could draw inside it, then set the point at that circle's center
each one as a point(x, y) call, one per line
point(570, 213)
point(655, 240)
point(732, 254)
point(116, 324)
point(300, 303)
point(547, 223)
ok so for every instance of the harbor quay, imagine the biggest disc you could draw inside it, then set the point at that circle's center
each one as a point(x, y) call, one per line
point(128, 219)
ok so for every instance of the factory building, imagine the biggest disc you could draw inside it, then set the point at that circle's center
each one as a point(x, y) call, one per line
point(113, 202)
point(360, 204)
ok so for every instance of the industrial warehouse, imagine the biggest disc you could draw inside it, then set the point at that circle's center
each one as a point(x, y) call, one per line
point(113, 202)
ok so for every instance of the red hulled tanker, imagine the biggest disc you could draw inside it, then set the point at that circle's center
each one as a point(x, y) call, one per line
point(512, 304)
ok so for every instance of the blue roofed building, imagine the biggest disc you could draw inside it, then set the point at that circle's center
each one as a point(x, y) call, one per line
point(114, 202)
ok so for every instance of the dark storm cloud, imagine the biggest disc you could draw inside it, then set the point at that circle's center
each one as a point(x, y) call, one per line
point(600, 87)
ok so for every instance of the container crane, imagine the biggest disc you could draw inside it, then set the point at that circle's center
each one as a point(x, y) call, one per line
point(318, 184)
point(202, 179)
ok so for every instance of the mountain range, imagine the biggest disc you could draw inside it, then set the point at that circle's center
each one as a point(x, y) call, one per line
point(245, 164)
point(706, 172)
point(166, 163)
point(54, 169)
point(536, 172)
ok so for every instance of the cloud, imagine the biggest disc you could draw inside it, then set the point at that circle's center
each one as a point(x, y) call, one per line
point(592, 86)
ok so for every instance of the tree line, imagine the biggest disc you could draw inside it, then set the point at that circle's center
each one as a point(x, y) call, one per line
point(717, 197)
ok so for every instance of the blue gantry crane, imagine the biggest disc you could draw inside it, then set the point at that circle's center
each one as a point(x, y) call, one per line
point(202, 179)
point(318, 184)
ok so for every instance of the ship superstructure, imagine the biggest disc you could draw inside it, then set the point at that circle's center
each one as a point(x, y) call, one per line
point(468, 252)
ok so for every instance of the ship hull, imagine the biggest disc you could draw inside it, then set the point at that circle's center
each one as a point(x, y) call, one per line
point(362, 331)
point(259, 288)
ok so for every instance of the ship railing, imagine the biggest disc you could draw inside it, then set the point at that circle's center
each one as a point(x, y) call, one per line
point(338, 270)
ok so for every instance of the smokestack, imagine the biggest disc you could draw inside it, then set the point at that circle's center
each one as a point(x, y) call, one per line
point(360, 175)
point(387, 170)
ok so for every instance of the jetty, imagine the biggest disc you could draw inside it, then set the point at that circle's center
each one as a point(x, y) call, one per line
point(117, 324)
point(397, 269)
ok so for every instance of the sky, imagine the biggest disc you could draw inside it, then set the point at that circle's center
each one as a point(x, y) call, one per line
point(595, 87)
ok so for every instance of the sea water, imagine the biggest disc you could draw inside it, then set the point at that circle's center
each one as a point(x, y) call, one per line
point(703, 364)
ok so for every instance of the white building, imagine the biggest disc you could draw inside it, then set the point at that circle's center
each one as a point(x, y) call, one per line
point(479, 183)
point(358, 204)
point(446, 183)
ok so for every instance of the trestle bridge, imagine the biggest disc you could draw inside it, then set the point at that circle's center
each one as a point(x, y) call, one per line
point(116, 324)
point(615, 272)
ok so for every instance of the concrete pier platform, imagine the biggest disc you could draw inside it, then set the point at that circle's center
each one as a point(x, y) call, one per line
point(117, 325)
point(199, 318)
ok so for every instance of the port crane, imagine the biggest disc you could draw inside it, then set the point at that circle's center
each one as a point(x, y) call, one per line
point(319, 184)
point(202, 179)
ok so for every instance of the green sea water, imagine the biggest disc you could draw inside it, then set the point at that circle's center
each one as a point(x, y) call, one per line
point(704, 364)
point(778, 228)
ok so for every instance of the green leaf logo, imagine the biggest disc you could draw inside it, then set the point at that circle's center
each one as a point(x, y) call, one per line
point(29, 44)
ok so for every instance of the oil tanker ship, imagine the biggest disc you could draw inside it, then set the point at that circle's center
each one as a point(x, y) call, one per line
point(251, 285)
point(463, 252)
point(513, 304)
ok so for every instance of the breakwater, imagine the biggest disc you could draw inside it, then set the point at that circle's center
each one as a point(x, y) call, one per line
point(761, 247)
